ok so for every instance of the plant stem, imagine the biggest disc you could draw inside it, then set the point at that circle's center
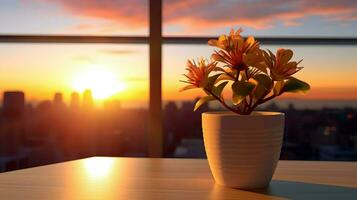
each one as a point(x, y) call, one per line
point(246, 74)
point(222, 101)
point(267, 99)
point(230, 75)
point(250, 100)
point(261, 101)
point(245, 105)
point(237, 77)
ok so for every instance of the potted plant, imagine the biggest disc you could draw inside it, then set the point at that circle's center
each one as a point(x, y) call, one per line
point(242, 145)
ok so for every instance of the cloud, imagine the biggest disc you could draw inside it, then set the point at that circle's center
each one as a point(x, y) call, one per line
point(84, 26)
point(211, 14)
point(259, 14)
point(123, 12)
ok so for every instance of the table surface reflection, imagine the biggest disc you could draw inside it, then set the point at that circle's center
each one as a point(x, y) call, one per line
point(156, 178)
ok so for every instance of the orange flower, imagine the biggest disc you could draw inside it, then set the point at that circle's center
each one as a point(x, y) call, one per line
point(279, 65)
point(236, 52)
point(197, 76)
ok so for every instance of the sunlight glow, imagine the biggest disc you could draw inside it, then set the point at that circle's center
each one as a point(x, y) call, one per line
point(98, 167)
point(103, 84)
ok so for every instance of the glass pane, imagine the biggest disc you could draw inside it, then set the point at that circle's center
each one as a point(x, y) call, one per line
point(321, 125)
point(261, 17)
point(74, 17)
point(62, 102)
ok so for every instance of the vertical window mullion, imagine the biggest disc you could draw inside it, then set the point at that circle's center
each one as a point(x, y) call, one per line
point(155, 139)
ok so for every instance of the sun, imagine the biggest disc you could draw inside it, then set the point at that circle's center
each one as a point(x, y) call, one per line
point(102, 83)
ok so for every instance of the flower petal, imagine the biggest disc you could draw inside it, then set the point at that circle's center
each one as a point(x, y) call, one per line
point(187, 87)
point(285, 55)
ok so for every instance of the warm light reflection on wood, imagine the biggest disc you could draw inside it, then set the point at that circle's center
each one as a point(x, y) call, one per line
point(98, 167)
point(96, 178)
point(145, 178)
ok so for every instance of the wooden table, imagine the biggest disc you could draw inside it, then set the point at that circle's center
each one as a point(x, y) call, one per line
point(187, 179)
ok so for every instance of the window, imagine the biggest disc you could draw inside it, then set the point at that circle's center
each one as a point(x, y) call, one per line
point(69, 101)
point(49, 49)
point(68, 89)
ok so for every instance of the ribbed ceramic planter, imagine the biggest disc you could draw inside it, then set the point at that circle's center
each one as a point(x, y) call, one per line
point(243, 150)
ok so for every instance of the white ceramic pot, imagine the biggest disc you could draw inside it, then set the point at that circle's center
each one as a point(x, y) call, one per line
point(243, 150)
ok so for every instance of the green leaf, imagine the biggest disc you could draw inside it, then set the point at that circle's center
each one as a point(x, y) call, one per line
point(236, 99)
point(212, 80)
point(264, 85)
point(295, 85)
point(264, 81)
point(278, 88)
point(202, 101)
point(241, 89)
point(217, 90)
point(243, 75)
point(224, 77)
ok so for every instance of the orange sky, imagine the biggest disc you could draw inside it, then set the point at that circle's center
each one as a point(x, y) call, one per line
point(42, 70)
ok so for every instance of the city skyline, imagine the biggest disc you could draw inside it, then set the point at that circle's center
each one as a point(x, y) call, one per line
point(54, 132)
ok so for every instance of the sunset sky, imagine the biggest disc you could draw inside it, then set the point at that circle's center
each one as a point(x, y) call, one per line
point(42, 69)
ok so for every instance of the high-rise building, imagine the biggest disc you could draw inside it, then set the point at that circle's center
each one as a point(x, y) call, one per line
point(58, 98)
point(74, 101)
point(12, 126)
point(13, 104)
point(87, 99)
point(58, 103)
